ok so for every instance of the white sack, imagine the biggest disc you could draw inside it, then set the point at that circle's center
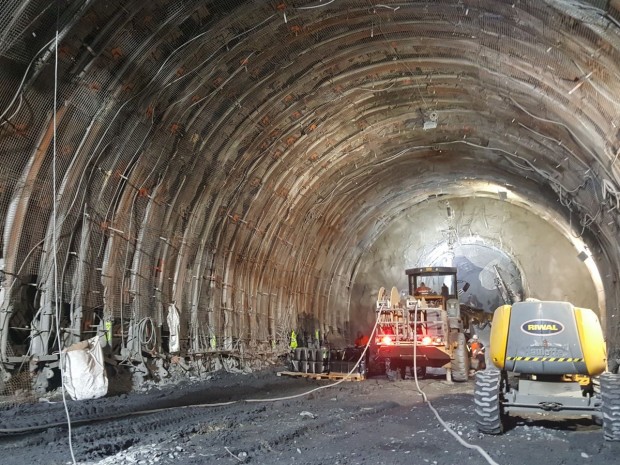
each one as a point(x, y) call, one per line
point(174, 323)
point(84, 374)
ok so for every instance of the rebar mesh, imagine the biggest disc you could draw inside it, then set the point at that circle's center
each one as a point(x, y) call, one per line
point(15, 23)
point(17, 389)
point(208, 157)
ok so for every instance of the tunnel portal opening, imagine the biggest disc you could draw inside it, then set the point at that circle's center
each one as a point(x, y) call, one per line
point(488, 276)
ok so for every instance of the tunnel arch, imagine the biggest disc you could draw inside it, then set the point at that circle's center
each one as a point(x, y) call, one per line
point(238, 158)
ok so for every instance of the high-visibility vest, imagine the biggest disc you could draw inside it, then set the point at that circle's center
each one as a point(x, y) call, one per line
point(293, 340)
point(108, 331)
point(475, 347)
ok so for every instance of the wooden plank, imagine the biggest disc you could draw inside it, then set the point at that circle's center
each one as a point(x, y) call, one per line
point(332, 375)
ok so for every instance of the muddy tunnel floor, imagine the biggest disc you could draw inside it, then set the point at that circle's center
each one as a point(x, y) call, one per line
point(376, 421)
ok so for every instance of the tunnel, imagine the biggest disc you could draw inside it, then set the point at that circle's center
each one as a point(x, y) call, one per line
point(244, 169)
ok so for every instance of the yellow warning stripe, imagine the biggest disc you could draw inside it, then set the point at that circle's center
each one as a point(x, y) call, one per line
point(545, 359)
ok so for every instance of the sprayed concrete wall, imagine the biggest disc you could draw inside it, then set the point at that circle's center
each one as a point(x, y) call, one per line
point(549, 263)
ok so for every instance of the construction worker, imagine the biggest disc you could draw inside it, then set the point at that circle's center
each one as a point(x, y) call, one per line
point(476, 349)
point(423, 289)
point(361, 340)
point(445, 292)
point(293, 344)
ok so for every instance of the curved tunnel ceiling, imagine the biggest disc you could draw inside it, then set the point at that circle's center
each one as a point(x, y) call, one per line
point(237, 158)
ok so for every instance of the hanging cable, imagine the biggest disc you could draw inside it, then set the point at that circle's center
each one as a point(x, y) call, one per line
point(57, 299)
point(464, 443)
point(311, 7)
point(479, 449)
point(147, 335)
point(218, 404)
point(21, 84)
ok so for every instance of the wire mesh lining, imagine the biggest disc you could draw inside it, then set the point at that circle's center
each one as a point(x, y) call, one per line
point(15, 22)
point(17, 390)
point(128, 214)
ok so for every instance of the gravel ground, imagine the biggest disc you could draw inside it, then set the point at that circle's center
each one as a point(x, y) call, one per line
point(376, 421)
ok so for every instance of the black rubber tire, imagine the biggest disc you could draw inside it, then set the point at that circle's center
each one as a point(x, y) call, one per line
point(487, 402)
point(460, 364)
point(610, 408)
